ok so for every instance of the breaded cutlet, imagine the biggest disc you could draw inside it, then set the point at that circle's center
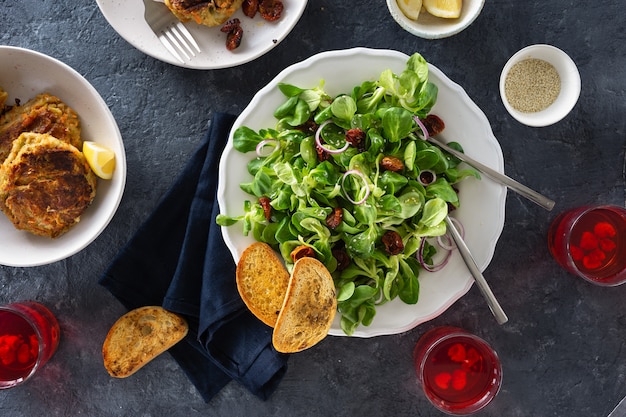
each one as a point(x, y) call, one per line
point(3, 100)
point(45, 185)
point(44, 113)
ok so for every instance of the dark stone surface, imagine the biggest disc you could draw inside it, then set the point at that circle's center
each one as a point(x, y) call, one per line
point(563, 348)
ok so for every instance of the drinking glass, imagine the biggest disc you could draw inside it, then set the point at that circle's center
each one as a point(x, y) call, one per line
point(590, 242)
point(459, 372)
point(29, 336)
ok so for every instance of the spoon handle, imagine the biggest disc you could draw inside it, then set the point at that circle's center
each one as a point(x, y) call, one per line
point(482, 284)
point(519, 188)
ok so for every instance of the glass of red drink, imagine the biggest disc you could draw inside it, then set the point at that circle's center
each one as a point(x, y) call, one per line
point(590, 242)
point(29, 336)
point(459, 372)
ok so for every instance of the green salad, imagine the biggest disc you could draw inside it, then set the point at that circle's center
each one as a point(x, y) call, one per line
point(350, 180)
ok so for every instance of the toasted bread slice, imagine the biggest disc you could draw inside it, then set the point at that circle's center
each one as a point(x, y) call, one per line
point(262, 281)
point(309, 307)
point(140, 336)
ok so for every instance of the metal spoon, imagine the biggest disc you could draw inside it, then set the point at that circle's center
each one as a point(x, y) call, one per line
point(482, 284)
point(521, 189)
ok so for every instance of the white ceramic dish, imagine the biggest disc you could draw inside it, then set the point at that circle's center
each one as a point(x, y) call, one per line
point(260, 36)
point(482, 202)
point(24, 74)
point(428, 26)
point(570, 85)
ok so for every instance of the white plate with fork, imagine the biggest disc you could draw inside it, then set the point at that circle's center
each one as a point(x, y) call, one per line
point(260, 36)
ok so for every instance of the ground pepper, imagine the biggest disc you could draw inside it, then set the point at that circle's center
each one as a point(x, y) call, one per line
point(532, 85)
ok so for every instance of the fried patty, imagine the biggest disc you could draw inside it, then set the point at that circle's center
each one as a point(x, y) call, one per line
point(204, 12)
point(3, 99)
point(44, 113)
point(45, 185)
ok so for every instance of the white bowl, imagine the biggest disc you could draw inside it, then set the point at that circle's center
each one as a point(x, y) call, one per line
point(570, 85)
point(428, 26)
point(24, 74)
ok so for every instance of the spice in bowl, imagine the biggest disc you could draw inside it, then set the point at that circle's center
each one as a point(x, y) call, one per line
point(532, 85)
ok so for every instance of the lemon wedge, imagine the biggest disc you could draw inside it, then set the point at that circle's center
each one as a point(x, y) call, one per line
point(443, 8)
point(410, 8)
point(100, 158)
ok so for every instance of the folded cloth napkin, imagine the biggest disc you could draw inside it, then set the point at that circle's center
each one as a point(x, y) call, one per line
point(178, 259)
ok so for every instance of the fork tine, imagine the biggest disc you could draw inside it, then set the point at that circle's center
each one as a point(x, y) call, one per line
point(188, 36)
point(176, 43)
point(183, 42)
point(170, 48)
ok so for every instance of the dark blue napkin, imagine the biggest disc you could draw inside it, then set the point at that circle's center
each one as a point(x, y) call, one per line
point(178, 259)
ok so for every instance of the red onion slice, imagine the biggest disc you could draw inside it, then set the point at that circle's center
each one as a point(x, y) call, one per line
point(421, 125)
point(264, 143)
point(318, 140)
point(365, 186)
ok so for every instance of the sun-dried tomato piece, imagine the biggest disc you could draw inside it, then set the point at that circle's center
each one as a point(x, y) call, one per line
point(322, 155)
point(356, 137)
point(302, 251)
point(233, 39)
point(234, 33)
point(308, 127)
point(391, 163)
point(342, 257)
point(230, 25)
point(267, 208)
point(271, 10)
point(334, 218)
point(250, 7)
point(393, 242)
point(433, 124)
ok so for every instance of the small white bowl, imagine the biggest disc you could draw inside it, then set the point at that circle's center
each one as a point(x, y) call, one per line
point(428, 26)
point(570, 85)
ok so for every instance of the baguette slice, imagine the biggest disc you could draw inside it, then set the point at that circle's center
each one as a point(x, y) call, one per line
point(140, 336)
point(309, 308)
point(262, 281)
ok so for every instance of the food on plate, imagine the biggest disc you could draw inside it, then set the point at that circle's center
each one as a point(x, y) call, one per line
point(138, 337)
point(234, 33)
point(410, 8)
point(100, 158)
point(44, 113)
point(351, 177)
point(204, 12)
point(450, 9)
point(308, 309)
point(262, 281)
point(45, 184)
point(3, 99)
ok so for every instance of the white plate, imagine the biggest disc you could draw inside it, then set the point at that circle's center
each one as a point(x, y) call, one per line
point(260, 36)
point(482, 201)
point(24, 74)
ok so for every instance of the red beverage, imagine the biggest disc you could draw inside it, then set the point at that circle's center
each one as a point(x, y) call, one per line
point(591, 242)
point(29, 336)
point(459, 372)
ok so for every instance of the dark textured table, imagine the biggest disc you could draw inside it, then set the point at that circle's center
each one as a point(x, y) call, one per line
point(563, 347)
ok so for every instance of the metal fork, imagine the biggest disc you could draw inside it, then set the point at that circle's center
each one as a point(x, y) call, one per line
point(170, 31)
